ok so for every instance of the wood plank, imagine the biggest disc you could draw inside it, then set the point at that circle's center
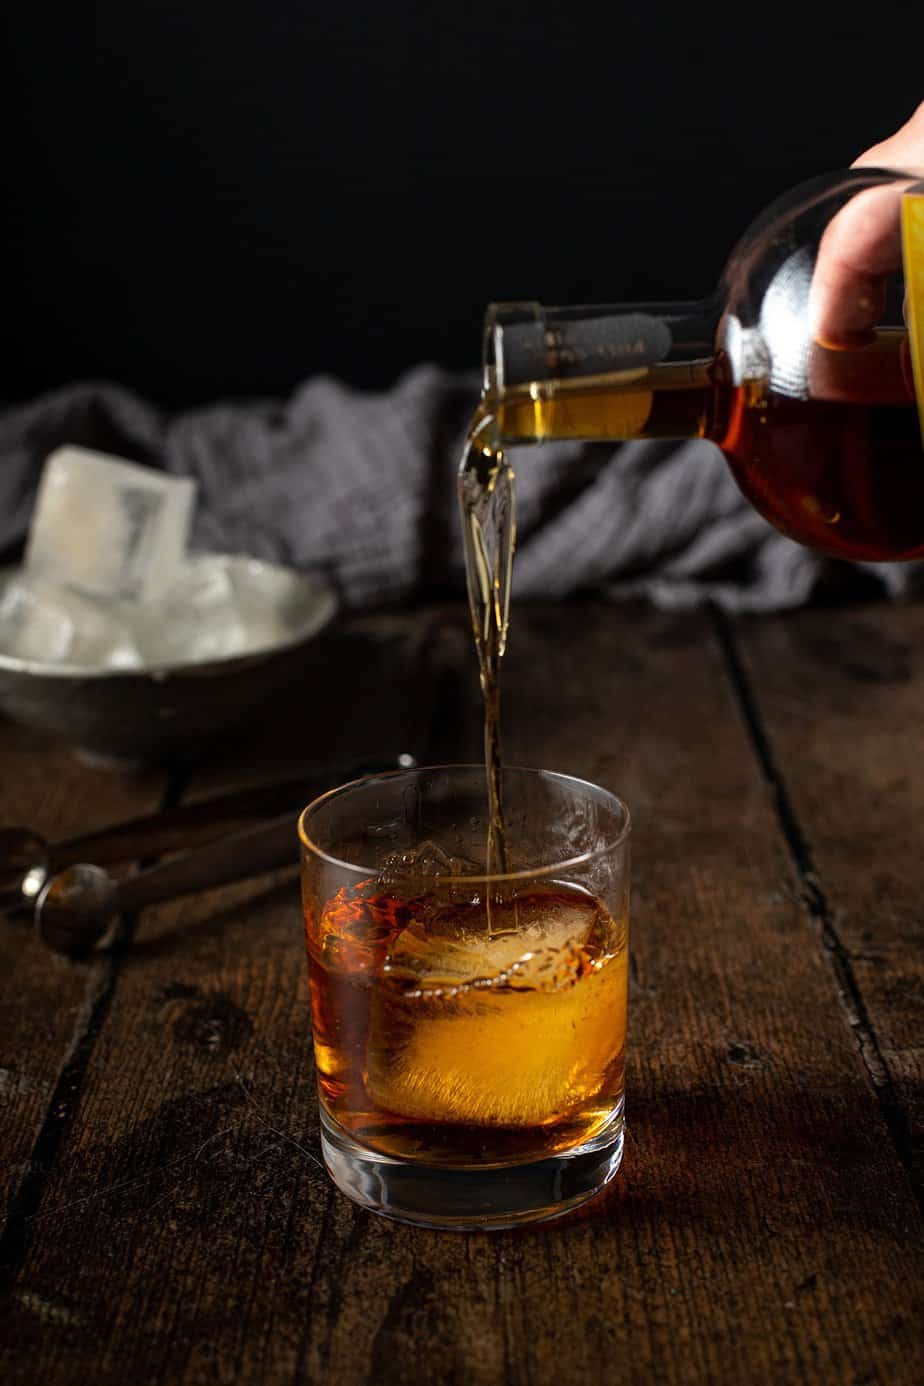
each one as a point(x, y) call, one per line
point(841, 695)
point(46, 1002)
point(761, 1230)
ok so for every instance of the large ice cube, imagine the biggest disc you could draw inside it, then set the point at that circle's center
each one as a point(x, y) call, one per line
point(510, 1029)
point(107, 527)
point(536, 942)
point(54, 625)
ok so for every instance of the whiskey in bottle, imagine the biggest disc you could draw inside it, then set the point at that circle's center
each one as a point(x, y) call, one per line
point(801, 368)
point(805, 368)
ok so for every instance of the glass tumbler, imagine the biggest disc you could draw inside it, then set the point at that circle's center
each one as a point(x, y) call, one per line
point(469, 1027)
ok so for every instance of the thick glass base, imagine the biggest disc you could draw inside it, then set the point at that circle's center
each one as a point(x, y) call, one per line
point(471, 1199)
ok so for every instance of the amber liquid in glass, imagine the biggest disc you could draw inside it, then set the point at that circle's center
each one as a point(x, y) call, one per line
point(439, 1041)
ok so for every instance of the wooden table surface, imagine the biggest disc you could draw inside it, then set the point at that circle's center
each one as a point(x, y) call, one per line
point(167, 1219)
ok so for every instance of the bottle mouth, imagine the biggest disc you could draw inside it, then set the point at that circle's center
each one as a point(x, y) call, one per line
point(505, 326)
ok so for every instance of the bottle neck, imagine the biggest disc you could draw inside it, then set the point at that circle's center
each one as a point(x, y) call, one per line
point(529, 344)
point(608, 372)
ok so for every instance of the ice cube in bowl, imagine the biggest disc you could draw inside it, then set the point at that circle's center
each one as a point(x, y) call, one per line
point(107, 527)
point(43, 622)
point(217, 608)
point(175, 705)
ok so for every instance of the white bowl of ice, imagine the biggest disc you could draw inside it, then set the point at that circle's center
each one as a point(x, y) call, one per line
point(144, 682)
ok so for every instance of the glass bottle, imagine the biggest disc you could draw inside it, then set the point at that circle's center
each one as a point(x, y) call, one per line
point(801, 367)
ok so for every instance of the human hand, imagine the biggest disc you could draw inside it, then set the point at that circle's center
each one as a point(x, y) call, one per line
point(862, 245)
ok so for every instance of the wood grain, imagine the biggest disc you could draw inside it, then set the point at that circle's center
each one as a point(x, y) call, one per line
point(842, 700)
point(762, 1228)
point(45, 1001)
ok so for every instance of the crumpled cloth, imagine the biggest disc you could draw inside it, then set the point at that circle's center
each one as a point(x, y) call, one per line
point(360, 486)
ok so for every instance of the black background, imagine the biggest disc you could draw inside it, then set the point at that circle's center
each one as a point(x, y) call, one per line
point(211, 199)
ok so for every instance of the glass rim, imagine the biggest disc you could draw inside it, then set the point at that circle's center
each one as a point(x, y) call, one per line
point(481, 878)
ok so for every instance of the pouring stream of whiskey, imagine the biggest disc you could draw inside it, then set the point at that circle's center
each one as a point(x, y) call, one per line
point(487, 501)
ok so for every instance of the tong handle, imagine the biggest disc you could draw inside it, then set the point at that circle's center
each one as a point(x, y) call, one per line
point(176, 829)
point(233, 857)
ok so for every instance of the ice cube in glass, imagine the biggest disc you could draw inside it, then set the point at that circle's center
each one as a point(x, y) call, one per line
point(501, 1028)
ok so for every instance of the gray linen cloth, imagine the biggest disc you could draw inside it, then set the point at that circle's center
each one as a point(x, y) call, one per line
point(361, 486)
